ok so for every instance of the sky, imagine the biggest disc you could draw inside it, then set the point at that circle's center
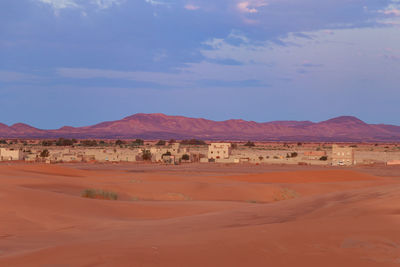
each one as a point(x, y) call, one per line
point(80, 62)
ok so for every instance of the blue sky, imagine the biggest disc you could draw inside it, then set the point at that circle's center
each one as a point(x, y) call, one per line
point(79, 62)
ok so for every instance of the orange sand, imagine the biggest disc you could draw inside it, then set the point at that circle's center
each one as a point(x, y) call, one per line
point(297, 218)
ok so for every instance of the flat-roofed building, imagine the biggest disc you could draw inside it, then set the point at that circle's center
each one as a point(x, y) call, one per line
point(218, 151)
point(393, 162)
point(342, 155)
point(7, 154)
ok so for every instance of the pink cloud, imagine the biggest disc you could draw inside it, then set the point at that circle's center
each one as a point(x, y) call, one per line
point(191, 7)
point(393, 12)
point(251, 6)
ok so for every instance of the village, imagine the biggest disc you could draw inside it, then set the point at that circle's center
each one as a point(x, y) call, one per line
point(192, 151)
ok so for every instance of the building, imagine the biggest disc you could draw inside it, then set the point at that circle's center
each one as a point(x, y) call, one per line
point(342, 155)
point(219, 151)
point(393, 162)
point(159, 153)
point(7, 154)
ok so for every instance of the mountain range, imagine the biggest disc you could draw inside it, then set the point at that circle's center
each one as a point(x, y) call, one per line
point(160, 126)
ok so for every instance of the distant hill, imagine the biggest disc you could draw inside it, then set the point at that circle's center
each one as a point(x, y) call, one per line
point(160, 126)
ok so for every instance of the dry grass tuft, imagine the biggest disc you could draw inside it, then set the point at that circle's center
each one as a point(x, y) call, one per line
point(99, 194)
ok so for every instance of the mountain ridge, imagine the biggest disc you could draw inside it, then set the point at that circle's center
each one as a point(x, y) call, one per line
point(161, 126)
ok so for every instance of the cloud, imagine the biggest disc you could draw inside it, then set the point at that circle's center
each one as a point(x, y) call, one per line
point(104, 4)
point(157, 2)
point(250, 6)
point(58, 5)
point(391, 12)
point(12, 76)
point(191, 7)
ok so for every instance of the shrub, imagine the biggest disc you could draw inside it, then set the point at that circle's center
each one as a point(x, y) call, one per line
point(119, 142)
point(138, 142)
point(167, 154)
point(324, 158)
point(161, 143)
point(89, 142)
point(99, 194)
point(250, 144)
point(47, 142)
point(146, 154)
point(64, 142)
point(185, 157)
point(45, 153)
point(193, 142)
point(3, 142)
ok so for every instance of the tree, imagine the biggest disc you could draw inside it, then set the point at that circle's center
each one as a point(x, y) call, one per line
point(185, 157)
point(3, 142)
point(119, 142)
point(47, 142)
point(193, 142)
point(138, 142)
point(324, 158)
point(64, 142)
point(89, 142)
point(146, 154)
point(161, 143)
point(250, 144)
point(45, 153)
point(167, 154)
point(172, 141)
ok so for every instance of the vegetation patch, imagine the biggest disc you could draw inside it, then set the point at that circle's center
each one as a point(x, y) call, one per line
point(99, 194)
point(285, 194)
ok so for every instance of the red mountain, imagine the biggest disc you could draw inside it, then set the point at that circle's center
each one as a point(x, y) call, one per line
point(160, 126)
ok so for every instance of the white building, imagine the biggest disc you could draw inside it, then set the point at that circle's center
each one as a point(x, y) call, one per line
point(7, 154)
point(342, 156)
point(219, 151)
point(175, 150)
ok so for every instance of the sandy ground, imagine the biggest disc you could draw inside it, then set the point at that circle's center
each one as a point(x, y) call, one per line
point(199, 215)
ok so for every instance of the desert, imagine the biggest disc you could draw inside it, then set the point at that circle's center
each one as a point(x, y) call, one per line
point(191, 215)
point(204, 133)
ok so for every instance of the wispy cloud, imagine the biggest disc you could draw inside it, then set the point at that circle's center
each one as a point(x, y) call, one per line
point(393, 12)
point(12, 76)
point(191, 7)
point(82, 5)
point(158, 2)
point(251, 6)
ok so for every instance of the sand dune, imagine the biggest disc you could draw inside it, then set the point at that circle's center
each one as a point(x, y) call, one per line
point(303, 218)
